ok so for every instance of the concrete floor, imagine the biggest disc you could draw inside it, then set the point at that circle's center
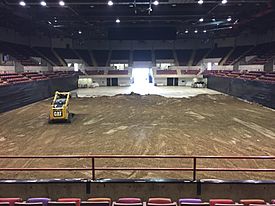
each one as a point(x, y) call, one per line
point(175, 92)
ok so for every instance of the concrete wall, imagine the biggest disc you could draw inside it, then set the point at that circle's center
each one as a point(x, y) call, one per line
point(251, 67)
point(36, 69)
point(85, 189)
point(7, 69)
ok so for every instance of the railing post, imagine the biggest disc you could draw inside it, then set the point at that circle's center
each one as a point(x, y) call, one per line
point(93, 168)
point(194, 169)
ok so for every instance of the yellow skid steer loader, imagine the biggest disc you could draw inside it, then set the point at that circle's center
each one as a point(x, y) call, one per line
point(59, 108)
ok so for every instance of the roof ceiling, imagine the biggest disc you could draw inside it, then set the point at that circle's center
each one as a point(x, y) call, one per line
point(170, 19)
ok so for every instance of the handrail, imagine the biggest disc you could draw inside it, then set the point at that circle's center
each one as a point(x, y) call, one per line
point(134, 156)
point(193, 169)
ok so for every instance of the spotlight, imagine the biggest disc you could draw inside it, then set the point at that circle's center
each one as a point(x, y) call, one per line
point(61, 3)
point(204, 31)
point(110, 3)
point(230, 27)
point(229, 18)
point(224, 1)
point(201, 20)
point(200, 2)
point(43, 3)
point(118, 20)
point(22, 3)
point(49, 22)
point(80, 32)
point(196, 31)
point(156, 2)
point(186, 31)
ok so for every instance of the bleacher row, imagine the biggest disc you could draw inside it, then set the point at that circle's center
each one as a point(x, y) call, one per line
point(126, 201)
point(109, 72)
point(16, 78)
point(247, 75)
point(159, 72)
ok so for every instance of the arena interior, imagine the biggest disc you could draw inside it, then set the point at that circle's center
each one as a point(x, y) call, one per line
point(137, 102)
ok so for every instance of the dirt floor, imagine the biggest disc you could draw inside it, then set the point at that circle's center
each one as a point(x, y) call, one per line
point(133, 124)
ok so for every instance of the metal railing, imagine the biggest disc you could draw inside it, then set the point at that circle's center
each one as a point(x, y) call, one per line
point(194, 169)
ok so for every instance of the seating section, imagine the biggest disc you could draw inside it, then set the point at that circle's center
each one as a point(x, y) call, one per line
point(94, 72)
point(184, 56)
point(237, 53)
point(131, 201)
point(117, 72)
point(84, 54)
point(16, 78)
point(247, 75)
point(101, 57)
point(142, 55)
point(164, 54)
point(120, 55)
point(199, 55)
point(262, 53)
point(219, 52)
point(66, 53)
point(190, 72)
point(47, 52)
point(21, 53)
point(167, 72)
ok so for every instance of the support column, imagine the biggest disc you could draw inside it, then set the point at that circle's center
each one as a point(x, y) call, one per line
point(154, 63)
point(131, 58)
point(93, 58)
point(236, 66)
point(1, 58)
point(268, 67)
point(19, 68)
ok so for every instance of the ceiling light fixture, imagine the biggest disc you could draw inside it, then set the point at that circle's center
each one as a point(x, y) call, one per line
point(61, 3)
point(110, 3)
point(201, 20)
point(200, 2)
point(43, 3)
point(80, 32)
point(22, 3)
point(117, 20)
point(196, 31)
point(204, 31)
point(186, 31)
point(224, 1)
point(229, 19)
point(156, 2)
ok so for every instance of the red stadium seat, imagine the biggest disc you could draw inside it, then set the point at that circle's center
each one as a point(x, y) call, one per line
point(11, 201)
point(160, 200)
point(248, 202)
point(128, 202)
point(100, 199)
point(213, 202)
point(97, 202)
point(75, 200)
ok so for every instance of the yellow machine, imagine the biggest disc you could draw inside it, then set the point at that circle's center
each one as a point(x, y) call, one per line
point(59, 109)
